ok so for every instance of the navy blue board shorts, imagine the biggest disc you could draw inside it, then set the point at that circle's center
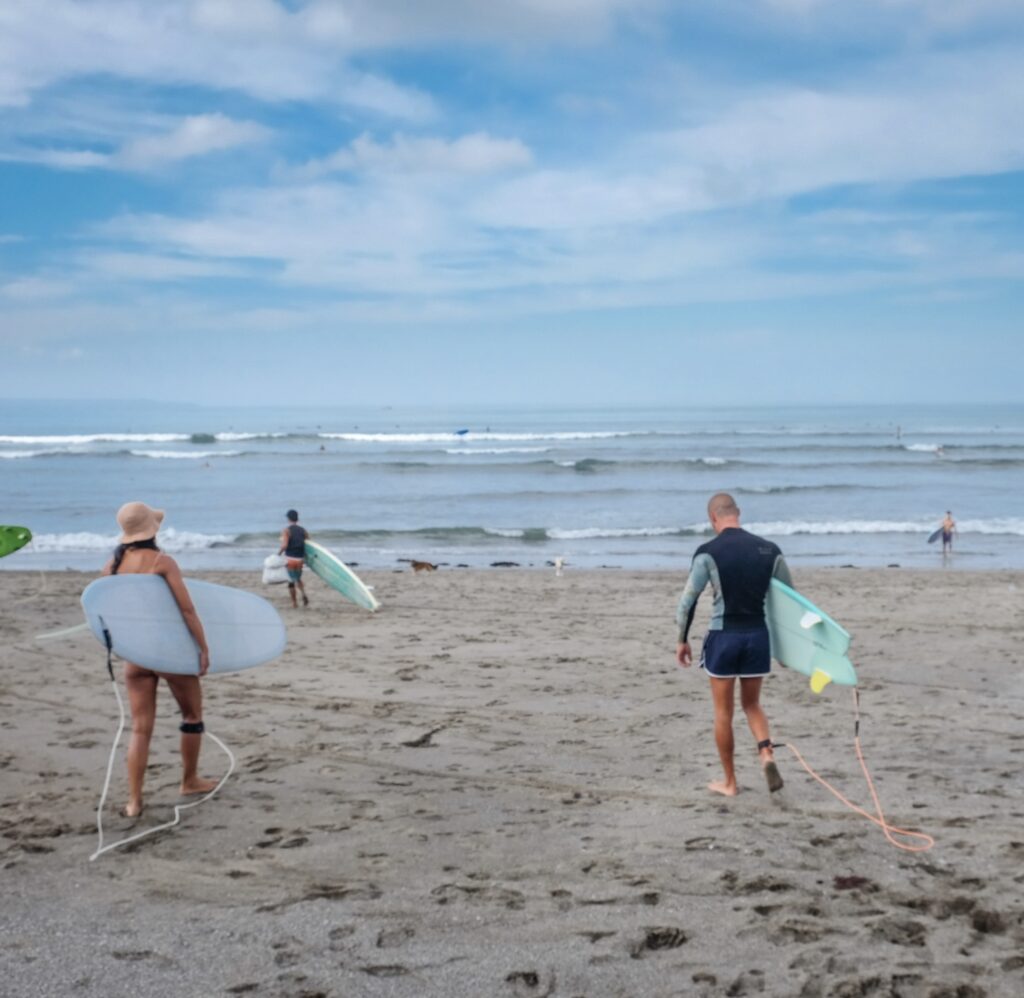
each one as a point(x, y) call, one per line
point(732, 654)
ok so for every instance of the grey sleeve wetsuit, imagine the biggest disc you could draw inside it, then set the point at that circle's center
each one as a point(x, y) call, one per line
point(739, 567)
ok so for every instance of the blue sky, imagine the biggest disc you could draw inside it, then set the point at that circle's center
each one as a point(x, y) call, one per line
point(531, 200)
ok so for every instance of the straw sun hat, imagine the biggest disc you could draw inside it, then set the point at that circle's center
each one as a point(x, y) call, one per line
point(138, 522)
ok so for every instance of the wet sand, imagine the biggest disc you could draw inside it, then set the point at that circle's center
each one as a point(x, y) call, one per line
point(496, 786)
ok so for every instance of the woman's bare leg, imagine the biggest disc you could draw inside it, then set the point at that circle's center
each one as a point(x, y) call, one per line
point(141, 687)
point(189, 694)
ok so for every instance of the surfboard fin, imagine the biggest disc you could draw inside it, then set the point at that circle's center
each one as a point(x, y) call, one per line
point(819, 680)
point(808, 620)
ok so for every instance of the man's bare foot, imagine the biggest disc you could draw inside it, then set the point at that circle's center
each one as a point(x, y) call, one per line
point(773, 776)
point(721, 787)
point(132, 809)
point(195, 786)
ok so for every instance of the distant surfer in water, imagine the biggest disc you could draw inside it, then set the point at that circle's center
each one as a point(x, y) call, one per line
point(137, 554)
point(739, 566)
point(948, 529)
point(293, 547)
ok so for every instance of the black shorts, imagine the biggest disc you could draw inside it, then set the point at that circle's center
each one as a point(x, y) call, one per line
point(731, 654)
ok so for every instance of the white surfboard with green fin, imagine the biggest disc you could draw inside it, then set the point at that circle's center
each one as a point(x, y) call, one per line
point(807, 639)
point(339, 576)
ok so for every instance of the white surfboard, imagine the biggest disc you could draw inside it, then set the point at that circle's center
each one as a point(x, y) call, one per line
point(807, 639)
point(339, 576)
point(146, 627)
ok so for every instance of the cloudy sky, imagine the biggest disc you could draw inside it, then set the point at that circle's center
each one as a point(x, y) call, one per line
point(514, 200)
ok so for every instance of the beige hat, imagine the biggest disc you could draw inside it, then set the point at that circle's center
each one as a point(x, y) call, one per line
point(138, 522)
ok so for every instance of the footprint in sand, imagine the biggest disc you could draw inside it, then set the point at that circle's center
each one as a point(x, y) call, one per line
point(899, 932)
point(389, 938)
point(658, 938)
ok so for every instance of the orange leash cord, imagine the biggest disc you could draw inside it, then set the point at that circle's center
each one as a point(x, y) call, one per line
point(924, 843)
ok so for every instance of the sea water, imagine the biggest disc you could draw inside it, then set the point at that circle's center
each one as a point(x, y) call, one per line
point(622, 487)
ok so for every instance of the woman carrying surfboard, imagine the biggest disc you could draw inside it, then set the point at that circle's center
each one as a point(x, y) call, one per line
point(137, 553)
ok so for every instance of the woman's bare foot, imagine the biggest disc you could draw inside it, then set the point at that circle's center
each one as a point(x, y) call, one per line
point(132, 809)
point(721, 787)
point(197, 785)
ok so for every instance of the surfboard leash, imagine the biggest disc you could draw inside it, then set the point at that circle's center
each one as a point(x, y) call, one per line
point(178, 808)
point(918, 841)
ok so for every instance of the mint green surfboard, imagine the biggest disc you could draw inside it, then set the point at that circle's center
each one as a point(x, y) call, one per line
point(13, 538)
point(339, 576)
point(807, 639)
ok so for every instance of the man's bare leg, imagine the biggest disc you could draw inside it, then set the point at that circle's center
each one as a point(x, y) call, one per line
point(750, 700)
point(723, 697)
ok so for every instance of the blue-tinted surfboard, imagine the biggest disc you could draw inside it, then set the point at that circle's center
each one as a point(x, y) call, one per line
point(146, 627)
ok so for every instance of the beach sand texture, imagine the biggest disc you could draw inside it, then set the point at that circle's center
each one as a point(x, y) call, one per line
point(496, 786)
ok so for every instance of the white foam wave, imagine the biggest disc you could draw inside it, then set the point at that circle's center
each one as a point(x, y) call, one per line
point(434, 438)
point(13, 455)
point(924, 448)
point(712, 460)
point(84, 439)
point(80, 439)
point(186, 455)
point(468, 452)
point(784, 528)
point(591, 533)
point(169, 539)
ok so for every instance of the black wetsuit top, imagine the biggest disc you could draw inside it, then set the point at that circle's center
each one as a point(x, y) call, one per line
point(740, 567)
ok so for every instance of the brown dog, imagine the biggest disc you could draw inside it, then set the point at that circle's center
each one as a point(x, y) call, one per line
point(422, 566)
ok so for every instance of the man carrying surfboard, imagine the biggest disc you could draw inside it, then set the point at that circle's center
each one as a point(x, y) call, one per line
point(293, 547)
point(948, 528)
point(739, 567)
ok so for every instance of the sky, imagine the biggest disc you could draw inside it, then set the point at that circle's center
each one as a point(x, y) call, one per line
point(537, 201)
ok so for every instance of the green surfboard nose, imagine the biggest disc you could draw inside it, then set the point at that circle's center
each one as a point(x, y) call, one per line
point(13, 538)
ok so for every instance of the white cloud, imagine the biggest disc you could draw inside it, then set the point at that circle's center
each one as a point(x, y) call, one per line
point(268, 50)
point(143, 266)
point(259, 48)
point(935, 117)
point(196, 135)
point(478, 153)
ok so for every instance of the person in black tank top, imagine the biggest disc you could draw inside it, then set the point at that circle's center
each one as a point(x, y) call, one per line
point(293, 547)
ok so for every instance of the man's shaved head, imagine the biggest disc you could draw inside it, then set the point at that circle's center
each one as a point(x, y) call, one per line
point(722, 504)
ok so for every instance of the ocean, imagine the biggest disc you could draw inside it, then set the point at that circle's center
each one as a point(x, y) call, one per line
point(619, 487)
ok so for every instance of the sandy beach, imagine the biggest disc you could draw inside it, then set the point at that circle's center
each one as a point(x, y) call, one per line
point(496, 786)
